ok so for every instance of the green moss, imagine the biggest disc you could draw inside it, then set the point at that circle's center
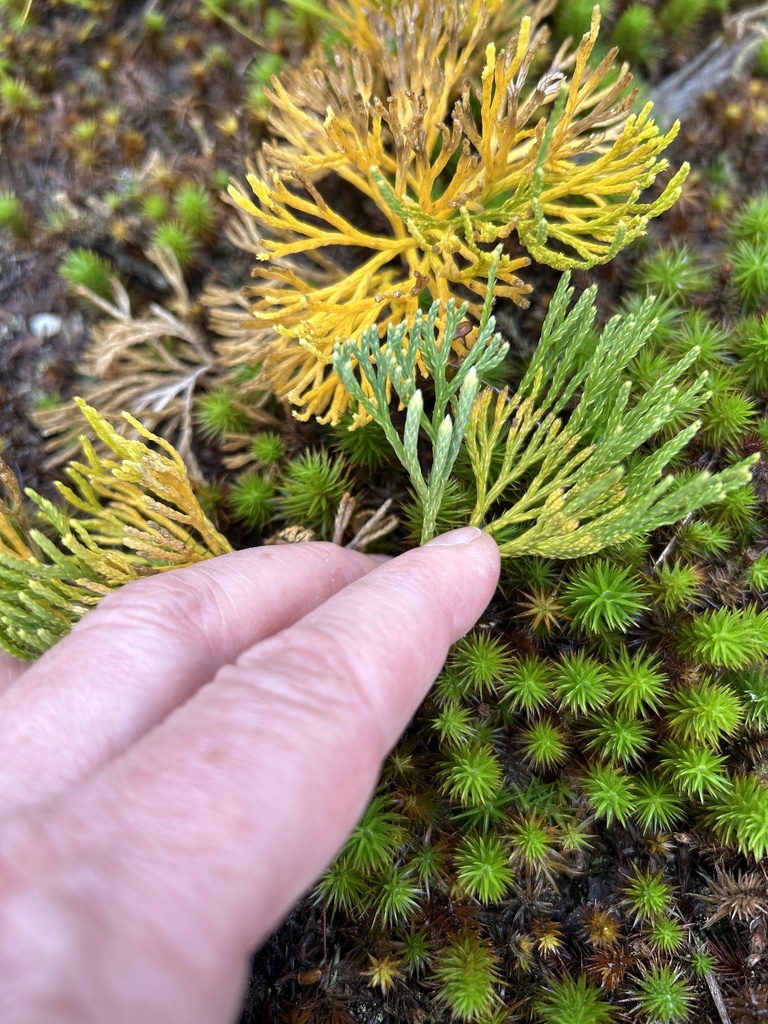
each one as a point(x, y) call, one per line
point(750, 224)
point(86, 269)
point(312, 487)
point(527, 684)
point(610, 793)
point(656, 806)
point(179, 239)
point(193, 207)
point(647, 896)
point(471, 775)
point(365, 446)
point(636, 34)
point(373, 843)
point(154, 207)
point(576, 1002)
point(544, 744)
point(218, 412)
point(267, 449)
point(482, 867)
point(726, 637)
point(466, 972)
point(663, 996)
point(17, 98)
point(675, 586)
point(252, 500)
point(13, 216)
point(481, 662)
point(749, 262)
point(761, 60)
point(678, 17)
point(602, 597)
point(673, 272)
point(581, 683)
point(572, 17)
point(752, 349)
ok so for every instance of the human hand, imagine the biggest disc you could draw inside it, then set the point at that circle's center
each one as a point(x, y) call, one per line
point(178, 770)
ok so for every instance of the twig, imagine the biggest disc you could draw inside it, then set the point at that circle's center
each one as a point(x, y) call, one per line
point(377, 525)
point(673, 540)
point(717, 997)
point(676, 96)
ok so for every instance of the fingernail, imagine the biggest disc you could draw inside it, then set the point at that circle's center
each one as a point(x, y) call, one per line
point(463, 536)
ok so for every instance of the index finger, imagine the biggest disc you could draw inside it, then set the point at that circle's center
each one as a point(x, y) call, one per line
point(144, 650)
point(11, 669)
point(207, 830)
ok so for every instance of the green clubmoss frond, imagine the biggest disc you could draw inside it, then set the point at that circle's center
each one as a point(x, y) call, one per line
point(589, 483)
point(370, 372)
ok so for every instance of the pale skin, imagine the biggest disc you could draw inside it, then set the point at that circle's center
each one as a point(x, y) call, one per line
point(179, 770)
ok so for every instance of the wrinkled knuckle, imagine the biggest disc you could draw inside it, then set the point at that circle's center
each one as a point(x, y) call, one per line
point(160, 604)
point(313, 654)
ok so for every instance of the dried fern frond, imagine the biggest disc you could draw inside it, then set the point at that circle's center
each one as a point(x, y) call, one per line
point(559, 466)
point(151, 365)
point(128, 517)
point(557, 163)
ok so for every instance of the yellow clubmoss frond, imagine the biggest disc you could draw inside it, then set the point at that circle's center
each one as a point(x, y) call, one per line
point(557, 164)
point(453, 32)
point(14, 523)
point(128, 517)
